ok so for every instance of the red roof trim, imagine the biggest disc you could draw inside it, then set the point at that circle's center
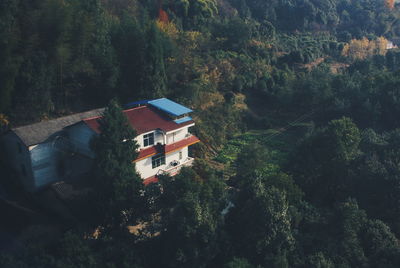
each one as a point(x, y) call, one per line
point(169, 148)
point(149, 180)
point(145, 153)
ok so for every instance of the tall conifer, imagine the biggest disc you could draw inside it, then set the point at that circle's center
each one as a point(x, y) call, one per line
point(154, 79)
point(118, 186)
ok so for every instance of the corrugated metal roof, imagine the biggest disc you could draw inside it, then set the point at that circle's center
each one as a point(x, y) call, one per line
point(170, 107)
point(183, 120)
point(135, 103)
point(39, 132)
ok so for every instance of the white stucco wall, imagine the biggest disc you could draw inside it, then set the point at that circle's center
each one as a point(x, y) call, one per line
point(177, 135)
point(175, 156)
point(158, 138)
point(144, 167)
point(185, 153)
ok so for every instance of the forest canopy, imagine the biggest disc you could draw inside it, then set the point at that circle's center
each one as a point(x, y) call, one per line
point(297, 105)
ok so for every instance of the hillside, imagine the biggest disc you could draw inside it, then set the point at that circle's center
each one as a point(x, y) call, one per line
point(297, 105)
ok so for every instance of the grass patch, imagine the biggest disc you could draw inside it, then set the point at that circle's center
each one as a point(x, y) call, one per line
point(279, 143)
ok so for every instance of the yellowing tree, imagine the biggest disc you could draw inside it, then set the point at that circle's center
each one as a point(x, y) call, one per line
point(381, 45)
point(169, 28)
point(361, 49)
point(3, 123)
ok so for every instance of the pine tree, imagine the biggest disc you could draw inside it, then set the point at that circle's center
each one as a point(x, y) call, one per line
point(118, 187)
point(8, 43)
point(154, 79)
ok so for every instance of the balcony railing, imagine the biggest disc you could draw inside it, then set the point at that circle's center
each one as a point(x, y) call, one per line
point(174, 167)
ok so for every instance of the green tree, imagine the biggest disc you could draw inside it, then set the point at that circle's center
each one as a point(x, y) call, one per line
point(191, 218)
point(129, 42)
point(322, 162)
point(118, 187)
point(154, 77)
point(237, 33)
point(252, 157)
point(102, 54)
point(259, 225)
point(238, 263)
point(343, 138)
point(378, 176)
point(318, 260)
point(74, 251)
point(35, 83)
point(364, 241)
point(9, 59)
point(282, 182)
point(380, 244)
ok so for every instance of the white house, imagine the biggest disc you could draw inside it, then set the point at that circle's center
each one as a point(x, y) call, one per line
point(162, 128)
point(59, 149)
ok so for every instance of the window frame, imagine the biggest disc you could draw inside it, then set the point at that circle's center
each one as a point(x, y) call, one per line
point(157, 161)
point(149, 139)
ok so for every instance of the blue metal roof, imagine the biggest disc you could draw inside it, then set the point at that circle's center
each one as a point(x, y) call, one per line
point(183, 120)
point(170, 107)
point(131, 104)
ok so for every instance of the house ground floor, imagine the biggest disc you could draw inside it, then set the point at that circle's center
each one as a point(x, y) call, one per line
point(168, 159)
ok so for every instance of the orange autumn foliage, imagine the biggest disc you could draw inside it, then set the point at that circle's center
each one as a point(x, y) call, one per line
point(389, 4)
point(162, 16)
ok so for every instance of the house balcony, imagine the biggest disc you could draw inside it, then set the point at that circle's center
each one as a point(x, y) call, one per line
point(174, 167)
point(167, 148)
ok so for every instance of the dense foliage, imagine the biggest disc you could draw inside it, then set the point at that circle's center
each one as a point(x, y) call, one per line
point(297, 105)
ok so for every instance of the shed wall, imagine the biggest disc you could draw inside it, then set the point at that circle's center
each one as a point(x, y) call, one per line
point(80, 136)
point(45, 164)
point(15, 154)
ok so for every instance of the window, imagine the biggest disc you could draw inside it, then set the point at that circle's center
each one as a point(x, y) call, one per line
point(148, 139)
point(158, 160)
point(180, 155)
